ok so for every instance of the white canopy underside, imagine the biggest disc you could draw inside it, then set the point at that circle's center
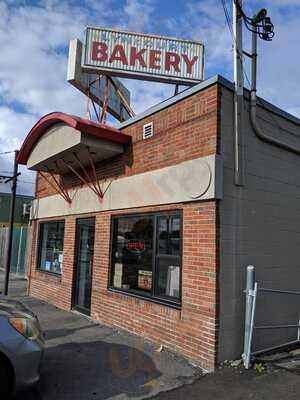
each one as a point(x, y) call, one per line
point(62, 145)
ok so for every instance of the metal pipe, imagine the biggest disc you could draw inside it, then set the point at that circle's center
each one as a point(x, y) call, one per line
point(276, 326)
point(237, 28)
point(253, 103)
point(250, 279)
point(19, 250)
point(279, 291)
point(248, 354)
point(255, 353)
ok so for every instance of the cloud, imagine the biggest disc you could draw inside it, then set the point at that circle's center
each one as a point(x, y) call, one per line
point(12, 126)
point(279, 60)
point(138, 14)
point(25, 184)
point(205, 21)
point(33, 63)
point(147, 94)
point(285, 3)
point(12, 133)
point(34, 39)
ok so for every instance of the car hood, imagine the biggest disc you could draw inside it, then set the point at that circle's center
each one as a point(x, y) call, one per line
point(13, 308)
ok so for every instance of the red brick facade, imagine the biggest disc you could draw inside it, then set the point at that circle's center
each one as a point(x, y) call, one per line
point(186, 130)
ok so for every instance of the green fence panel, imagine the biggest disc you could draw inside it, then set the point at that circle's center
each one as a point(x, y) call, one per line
point(18, 255)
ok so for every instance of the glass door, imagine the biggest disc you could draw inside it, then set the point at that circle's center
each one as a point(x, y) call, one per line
point(85, 231)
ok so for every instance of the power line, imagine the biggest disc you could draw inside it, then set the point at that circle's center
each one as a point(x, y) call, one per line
point(31, 183)
point(260, 24)
point(27, 182)
point(244, 72)
point(264, 29)
point(229, 24)
point(7, 152)
point(227, 16)
point(247, 21)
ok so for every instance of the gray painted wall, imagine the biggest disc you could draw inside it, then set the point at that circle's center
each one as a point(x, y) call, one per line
point(259, 225)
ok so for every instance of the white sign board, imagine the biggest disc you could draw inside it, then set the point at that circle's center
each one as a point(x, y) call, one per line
point(88, 83)
point(146, 57)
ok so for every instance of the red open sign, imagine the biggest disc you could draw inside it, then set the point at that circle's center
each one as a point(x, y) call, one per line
point(136, 245)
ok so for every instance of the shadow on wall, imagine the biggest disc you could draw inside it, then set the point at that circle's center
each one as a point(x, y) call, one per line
point(108, 169)
point(95, 370)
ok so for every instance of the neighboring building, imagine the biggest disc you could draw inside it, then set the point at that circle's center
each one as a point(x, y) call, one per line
point(164, 253)
point(22, 209)
point(20, 231)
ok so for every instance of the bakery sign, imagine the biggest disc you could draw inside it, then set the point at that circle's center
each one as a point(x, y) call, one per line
point(140, 56)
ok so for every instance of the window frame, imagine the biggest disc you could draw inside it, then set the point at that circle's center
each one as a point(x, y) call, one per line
point(39, 246)
point(164, 300)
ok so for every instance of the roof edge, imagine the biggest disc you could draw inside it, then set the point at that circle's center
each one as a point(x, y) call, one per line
point(102, 131)
point(217, 79)
point(18, 195)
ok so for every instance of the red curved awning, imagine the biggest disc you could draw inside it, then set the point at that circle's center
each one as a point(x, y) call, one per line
point(88, 127)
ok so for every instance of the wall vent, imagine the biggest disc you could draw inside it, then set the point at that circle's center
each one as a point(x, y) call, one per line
point(148, 130)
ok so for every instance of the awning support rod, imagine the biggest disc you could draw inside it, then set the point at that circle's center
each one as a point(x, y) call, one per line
point(92, 185)
point(59, 188)
point(105, 103)
point(95, 174)
point(124, 101)
point(84, 181)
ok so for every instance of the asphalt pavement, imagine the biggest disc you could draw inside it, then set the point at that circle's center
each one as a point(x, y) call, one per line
point(87, 361)
point(84, 361)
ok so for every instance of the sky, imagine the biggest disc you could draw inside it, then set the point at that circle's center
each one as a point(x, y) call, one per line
point(34, 39)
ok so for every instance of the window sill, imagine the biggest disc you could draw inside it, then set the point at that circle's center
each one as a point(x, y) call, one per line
point(54, 274)
point(155, 300)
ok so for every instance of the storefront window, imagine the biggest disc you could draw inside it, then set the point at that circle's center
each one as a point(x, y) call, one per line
point(168, 256)
point(51, 244)
point(146, 255)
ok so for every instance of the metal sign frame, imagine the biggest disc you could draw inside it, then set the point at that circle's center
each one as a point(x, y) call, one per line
point(95, 88)
point(144, 73)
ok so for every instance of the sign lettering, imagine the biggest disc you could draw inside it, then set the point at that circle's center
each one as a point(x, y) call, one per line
point(136, 245)
point(142, 56)
point(171, 60)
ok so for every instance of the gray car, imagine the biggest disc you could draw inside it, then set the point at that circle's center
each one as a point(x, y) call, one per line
point(21, 347)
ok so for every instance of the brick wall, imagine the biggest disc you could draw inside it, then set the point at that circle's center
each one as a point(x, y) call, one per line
point(186, 130)
point(183, 131)
point(192, 330)
point(52, 288)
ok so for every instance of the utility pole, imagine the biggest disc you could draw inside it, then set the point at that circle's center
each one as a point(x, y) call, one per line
point(237, 21)
point(14, 179)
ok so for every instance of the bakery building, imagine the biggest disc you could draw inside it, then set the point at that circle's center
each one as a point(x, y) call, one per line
point(142, 227)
